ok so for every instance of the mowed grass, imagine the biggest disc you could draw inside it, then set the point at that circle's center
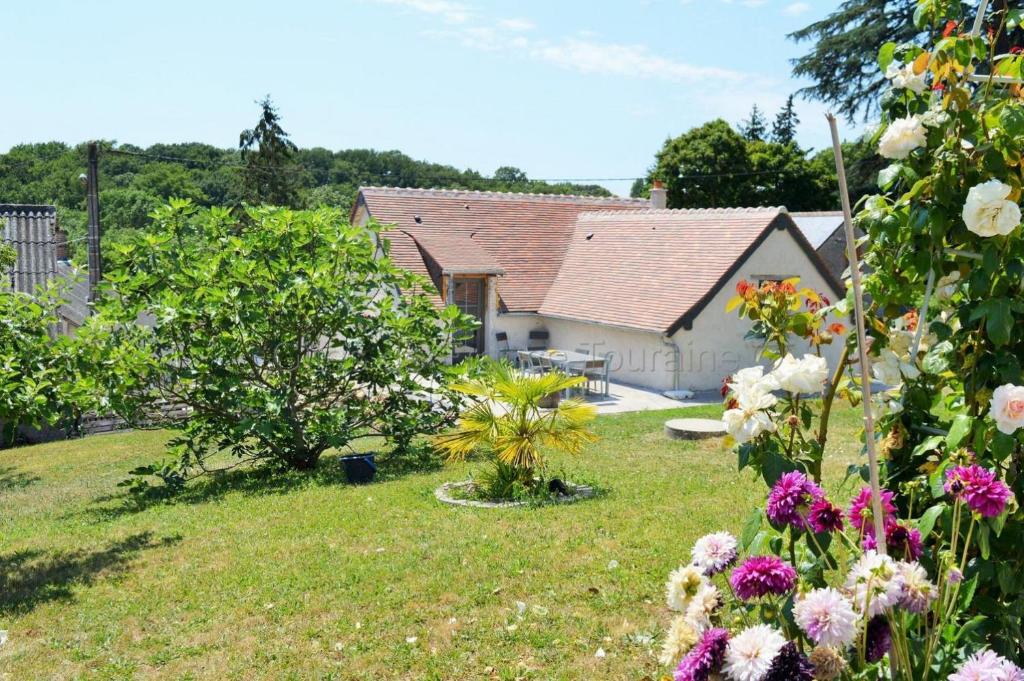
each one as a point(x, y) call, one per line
point(306, 577)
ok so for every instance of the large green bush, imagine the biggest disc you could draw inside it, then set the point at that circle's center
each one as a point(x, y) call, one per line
point(283, 332)
point(43, 381)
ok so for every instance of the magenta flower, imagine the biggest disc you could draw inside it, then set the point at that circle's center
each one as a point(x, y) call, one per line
point(762, 575)
point(790, 499)
point(980, 488)
point(903, 542)
point(879, 638)
point(705, 658)
point(825, 516)
point(859, 512)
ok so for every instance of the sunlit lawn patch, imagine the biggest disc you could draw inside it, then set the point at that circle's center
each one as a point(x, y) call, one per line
point(303, 576)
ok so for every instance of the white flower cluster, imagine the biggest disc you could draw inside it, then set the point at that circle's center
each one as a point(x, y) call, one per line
point(1007, 408)
point(751, 388)
point(690, 593)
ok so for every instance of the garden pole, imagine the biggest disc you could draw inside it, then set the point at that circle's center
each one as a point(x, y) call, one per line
point(865, 365)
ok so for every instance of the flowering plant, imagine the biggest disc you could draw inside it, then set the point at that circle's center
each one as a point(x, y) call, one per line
point(815, 599)
point(945, 243)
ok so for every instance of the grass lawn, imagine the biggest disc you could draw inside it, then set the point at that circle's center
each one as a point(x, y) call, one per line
point(305, 577)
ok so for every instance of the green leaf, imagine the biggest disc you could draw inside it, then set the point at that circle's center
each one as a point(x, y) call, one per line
point(927, 521)
point(983, 541)
point(750, 528)
point(885, 55)
point(960, 429)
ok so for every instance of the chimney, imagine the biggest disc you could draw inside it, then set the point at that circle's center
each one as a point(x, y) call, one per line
point(659, 195)
point(60, 244)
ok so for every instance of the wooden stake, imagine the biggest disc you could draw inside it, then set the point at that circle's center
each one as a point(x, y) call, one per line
point(862, 349)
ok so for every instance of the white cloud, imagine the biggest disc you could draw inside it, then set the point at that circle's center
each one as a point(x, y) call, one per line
point(583, 53)
point(753, 3)
point(796, 9)
point(624, 60)
point(451, 12)
point(517, 24)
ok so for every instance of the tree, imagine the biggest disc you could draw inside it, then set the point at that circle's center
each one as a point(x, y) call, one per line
point(782, 176)
point(639, 188)
point(842, 60)
point(700, 167)
point(281, 331)
point(784, 128)
point(510, 175)
point(755, 128)
point(270, 174)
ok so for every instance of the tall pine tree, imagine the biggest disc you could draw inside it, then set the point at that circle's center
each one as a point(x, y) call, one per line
point(784, 128)
point(271, 175)
point(755, 128)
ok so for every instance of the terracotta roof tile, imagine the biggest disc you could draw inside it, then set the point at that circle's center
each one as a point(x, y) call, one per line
point(455, 253)
point(647, 269)
point(526, 234)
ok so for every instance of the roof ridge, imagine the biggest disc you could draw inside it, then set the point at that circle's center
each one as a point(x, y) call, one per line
point(27, 209)
point(436, 191)
point(669, 212)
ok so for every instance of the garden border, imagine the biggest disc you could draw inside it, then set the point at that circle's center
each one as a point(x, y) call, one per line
point(444, 496)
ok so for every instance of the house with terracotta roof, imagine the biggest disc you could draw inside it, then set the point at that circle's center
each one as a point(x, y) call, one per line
point(645, 285)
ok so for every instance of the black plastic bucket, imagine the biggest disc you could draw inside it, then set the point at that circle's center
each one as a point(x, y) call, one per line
point(359, 468)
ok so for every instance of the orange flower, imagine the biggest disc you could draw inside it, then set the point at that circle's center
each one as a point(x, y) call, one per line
point(948, 30)
point(837, 329)
point(911, 320)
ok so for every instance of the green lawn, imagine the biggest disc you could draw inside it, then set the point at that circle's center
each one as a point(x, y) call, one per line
point(305, 577)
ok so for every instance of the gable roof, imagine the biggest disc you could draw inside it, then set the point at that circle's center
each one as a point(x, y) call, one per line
point(30, 230)
point(818, 226)
point(655, 270)
point(525, 235)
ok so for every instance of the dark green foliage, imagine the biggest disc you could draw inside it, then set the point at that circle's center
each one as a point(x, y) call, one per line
point(844, 47)
point(270, 173)
point(280, 330)
point(714, 166)
point(755, 127)
point(784, 127)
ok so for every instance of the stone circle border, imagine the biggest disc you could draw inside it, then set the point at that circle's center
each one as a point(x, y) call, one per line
point(443, 494)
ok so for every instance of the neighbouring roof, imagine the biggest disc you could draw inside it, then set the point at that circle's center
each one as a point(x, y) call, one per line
point(525, 235)
point(655, 270)
point(818, 226)
point(30, 230)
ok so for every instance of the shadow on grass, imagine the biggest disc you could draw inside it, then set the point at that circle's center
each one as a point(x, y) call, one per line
point(30, 578)
point(12, 479)
point(253, 481)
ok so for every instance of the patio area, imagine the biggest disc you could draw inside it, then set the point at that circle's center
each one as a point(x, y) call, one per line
point(623, 398)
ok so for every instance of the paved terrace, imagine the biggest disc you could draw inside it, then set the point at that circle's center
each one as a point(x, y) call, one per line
point(624, 398)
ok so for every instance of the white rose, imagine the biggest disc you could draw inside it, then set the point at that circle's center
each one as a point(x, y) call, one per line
point(801, 375)
point(751, 380)
point(748, 419)
point(904, 77)
point(987, 212)
point(1007, 408)
point(890, 369)
point(901, 137)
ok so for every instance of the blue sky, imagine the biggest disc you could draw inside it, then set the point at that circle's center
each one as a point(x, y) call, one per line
point(560, 89)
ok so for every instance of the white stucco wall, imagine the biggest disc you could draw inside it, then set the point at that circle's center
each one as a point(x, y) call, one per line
point(713, 349)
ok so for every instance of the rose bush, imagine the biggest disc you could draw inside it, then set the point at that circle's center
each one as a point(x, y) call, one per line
point(932, 589)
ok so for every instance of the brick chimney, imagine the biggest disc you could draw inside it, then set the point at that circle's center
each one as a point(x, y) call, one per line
point(659, 195)
point(60, 244)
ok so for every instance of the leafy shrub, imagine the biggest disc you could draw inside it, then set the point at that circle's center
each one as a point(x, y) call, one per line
point(282, 331)
point(43, 378)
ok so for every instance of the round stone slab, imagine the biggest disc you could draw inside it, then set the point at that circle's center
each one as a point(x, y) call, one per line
point(693, 429)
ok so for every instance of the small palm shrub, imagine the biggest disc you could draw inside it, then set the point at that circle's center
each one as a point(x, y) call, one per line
point(507, 424)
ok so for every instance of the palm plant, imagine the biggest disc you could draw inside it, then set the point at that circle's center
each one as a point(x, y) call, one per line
point(507, 422)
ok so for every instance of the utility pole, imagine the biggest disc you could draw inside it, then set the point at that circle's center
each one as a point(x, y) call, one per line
point(92, 188)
